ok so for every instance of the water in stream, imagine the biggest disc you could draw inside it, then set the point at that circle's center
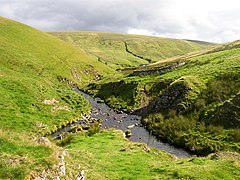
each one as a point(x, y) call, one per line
point(122, 121)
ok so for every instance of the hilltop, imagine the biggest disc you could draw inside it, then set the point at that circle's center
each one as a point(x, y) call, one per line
point(124, 50)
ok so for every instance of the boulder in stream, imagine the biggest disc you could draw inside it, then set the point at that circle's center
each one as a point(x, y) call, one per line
point(128, 133)
point(131, 126)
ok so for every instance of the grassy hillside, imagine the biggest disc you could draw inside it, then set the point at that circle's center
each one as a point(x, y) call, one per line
point(185, 57)
point(122, 50)
point(194, 105)
point(36, 73)
point(36, 67)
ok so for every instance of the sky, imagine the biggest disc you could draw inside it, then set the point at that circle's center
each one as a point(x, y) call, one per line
point(207, 20)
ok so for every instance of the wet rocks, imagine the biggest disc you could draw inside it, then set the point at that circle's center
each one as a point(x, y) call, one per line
point(131, 126)
point(138, 125)
point(128, 133)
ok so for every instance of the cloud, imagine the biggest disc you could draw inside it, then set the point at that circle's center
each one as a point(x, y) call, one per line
point(214, 20)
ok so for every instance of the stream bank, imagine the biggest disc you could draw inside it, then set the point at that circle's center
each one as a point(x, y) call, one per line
point(123, 121)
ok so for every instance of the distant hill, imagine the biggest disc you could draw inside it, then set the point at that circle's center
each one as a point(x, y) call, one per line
point(185, 57)
point(124, 50)
point(201, 42)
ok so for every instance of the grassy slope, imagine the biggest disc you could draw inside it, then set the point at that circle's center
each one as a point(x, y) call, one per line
point(32, 66)
point(110, 48)
point(195, 106)
point(185, 57)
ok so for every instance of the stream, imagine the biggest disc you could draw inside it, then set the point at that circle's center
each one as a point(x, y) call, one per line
point(123, 121)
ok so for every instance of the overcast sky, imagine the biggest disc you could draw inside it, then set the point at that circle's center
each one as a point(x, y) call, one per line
point(209, 20)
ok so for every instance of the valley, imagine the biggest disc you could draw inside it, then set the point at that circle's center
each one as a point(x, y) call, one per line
point(184, 92)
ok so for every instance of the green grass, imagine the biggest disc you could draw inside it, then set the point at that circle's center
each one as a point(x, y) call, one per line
point(187, 56)
point(107, 155)
point(110, 47)
point(35, 66)
point(40, 54)
point(20, 156)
